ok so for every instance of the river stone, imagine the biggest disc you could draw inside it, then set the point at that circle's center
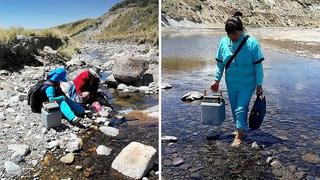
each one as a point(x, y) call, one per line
point(177, 161)
point(144, 88)
point(53, 144)
point(135, 160)
point(169, 139)
point(255, 146)
point(129, 69)
point(275, 164)
point(17, 158)
point(166, 86)
point(109, 131)
point(269, 160)
point(122, 87)
point(103, 150)
point(312, 158)
point(68, 158)
point(73, 146)
point(12, 168)
point(21, 149)
point(191, 96)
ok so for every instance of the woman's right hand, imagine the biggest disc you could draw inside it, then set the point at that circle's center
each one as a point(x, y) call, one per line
point(215, 86)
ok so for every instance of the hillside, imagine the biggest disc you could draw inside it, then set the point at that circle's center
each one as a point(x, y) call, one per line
point(132, 20)
point(257, 13)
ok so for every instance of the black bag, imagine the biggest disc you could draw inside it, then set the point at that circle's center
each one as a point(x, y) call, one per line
point(258, 112)
point(36, 96)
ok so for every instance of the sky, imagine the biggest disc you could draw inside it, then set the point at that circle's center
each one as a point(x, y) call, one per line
point(38, 14)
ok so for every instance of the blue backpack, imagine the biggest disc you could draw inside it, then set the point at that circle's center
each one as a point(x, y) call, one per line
point(258, 112)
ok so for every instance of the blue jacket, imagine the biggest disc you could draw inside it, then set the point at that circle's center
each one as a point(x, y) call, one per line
point(246, 70)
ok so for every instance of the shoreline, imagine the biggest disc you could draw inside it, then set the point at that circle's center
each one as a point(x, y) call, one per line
point(283, 39)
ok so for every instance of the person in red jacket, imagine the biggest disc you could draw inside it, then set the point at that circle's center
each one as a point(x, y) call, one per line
point(87, 84)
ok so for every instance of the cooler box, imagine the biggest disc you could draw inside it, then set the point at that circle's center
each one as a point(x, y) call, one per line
point(51, 115)
point(213, 110)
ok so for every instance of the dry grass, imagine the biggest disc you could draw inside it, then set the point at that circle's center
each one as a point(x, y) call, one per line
point(6, 35)
point(179, 63)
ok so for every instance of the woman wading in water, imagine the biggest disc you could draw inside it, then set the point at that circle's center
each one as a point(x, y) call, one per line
point(243, 74)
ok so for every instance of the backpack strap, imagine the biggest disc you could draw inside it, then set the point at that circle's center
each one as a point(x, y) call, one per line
point(236, 52)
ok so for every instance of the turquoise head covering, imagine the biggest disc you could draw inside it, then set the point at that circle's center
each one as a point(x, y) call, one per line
point(58, 75)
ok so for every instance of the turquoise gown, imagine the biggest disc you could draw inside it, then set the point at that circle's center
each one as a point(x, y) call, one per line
point(242, 76)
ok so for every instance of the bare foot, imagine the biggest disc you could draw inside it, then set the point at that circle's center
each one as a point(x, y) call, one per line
point(238, 139)
point(236, 142)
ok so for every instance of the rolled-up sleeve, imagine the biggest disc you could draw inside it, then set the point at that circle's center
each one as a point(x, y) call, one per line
point(258, 57)
point(220, 66)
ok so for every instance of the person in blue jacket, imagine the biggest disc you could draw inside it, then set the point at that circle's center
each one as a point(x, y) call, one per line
point(69, 108)
point(244, 75)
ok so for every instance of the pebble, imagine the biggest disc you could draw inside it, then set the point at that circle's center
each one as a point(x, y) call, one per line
point(103, 150)
point(177, 161)
point(255, 146)
point(68, 158)
point(269, 160)
point(17, 158)
point(21, 149)
point(78, 167)
point(109, 131)
point(53, 144)
point(275, 164)
point(166, 86)
point(311, 158)
point(12, 168)
point(169, 139)
point(73, 146)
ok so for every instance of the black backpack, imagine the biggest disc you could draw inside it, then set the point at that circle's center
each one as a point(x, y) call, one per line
point(36, 96)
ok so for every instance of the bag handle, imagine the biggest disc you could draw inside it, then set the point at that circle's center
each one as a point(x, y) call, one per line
point(236, 52)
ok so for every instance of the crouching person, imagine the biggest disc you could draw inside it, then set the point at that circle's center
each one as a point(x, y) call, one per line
point(70, 109)
point(85, 87)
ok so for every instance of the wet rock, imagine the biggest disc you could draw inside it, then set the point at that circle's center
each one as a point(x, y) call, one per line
point(68, 158)
point(144, 88)
point(166, 86)
point(109, 131)
point(169, 139)
point(21, 149)
point(78, 167)
point(191, 96)
point(269, 160)
point(276, 164)
point(12, 168)
point(129, 69)
point(311, 158)
point(111, 82)
point(255, 146)
point(177, 161)
point(135, 160)
point(103, 150)
point(122, 87)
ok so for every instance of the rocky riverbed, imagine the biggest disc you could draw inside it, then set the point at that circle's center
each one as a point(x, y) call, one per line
point(286, 146)
point(29, 150)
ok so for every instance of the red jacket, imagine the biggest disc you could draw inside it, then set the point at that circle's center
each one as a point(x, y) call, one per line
point(86, 82)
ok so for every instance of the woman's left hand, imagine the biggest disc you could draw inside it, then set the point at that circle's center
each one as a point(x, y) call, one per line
point(259, 90)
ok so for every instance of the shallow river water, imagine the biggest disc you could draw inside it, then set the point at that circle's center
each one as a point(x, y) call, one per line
point(289, 133)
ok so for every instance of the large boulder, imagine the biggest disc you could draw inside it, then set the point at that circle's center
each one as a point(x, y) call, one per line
point(129, 70)
point(135, 160)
